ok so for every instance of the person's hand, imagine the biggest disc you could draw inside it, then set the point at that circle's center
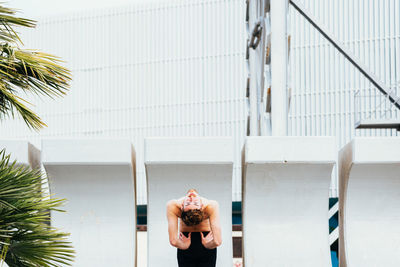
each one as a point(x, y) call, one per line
point(185, 241)
point(207, 239)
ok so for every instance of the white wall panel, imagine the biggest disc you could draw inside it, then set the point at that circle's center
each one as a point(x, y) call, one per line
point(174, 69)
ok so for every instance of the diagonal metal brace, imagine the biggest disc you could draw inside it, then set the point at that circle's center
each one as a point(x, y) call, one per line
point(355, 61)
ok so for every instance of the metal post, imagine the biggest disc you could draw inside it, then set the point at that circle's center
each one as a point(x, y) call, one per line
point(253, 92)
point(279, 67)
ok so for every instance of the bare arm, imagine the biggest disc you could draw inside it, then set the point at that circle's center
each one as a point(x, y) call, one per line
point(180, 241)
point(213, 239)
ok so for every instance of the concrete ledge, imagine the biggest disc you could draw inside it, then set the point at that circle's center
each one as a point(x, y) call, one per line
point(89, 151)
point(369, 210)
point(291, 149)
point(373, 150)
point(164, 150)
point(97, 177)
point(173, 166)
point(22, 151)
point(286, 201)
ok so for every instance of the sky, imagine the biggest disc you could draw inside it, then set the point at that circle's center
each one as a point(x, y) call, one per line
point(35, 9)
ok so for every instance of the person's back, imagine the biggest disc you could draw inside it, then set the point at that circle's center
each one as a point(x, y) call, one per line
point(196, 219)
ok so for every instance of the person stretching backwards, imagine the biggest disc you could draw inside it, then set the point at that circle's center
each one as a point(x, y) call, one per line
point(199, 229)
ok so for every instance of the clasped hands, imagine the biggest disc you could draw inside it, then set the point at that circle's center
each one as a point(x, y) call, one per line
point(205, 240)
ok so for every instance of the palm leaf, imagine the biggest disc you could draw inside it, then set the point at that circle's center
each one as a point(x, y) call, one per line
point(26, 71)
point(26, 239)
point(8, 20)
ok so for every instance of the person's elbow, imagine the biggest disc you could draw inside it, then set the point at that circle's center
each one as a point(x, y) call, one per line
point(173, 242)
point(217, 241)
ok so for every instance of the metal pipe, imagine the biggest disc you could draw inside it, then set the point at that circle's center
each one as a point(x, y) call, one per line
point(279, 66)
point(253, 96)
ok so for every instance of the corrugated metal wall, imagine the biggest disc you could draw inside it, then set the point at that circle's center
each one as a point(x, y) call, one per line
point(324, 82)
point(162, 70)
point(178, 69)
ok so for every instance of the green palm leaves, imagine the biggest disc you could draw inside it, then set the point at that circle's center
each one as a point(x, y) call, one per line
point(26, 238)
point(25, 71)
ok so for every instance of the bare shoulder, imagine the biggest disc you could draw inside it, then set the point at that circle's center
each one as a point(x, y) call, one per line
point(214, 204)
point(211, 206)
point(173, 206)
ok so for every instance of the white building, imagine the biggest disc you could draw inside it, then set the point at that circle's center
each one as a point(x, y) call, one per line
point(178, 69)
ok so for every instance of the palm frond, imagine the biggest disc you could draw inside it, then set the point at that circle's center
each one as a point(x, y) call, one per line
point(11, 103)
point(26, 71)
point(26, 239)
point(8, 21)
point(30, 71)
